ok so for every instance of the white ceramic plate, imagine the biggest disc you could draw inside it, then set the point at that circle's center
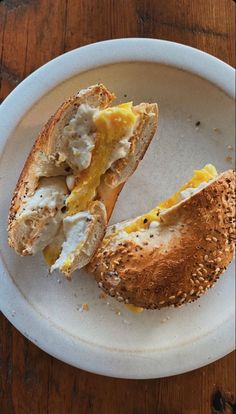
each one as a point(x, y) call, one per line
point(190, 86)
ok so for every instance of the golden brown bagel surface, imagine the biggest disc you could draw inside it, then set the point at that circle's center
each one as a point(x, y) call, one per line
point(179, 260)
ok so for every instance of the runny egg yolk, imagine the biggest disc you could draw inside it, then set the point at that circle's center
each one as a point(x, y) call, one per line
point(112, 124)
point(204, 175)
point(51, 253)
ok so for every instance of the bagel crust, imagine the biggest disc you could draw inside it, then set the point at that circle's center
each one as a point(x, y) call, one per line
point(179, 260)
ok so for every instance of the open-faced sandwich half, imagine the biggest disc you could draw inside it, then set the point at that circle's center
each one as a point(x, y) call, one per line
point(73, 175)
point(177, 251)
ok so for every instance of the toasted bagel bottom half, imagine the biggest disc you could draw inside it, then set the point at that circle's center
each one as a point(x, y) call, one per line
point(176, 260)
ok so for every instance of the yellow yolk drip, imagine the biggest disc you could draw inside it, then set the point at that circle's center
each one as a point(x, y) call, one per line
point(204, 175)
point(134, 309)
point(51, 253)
point(112, 124)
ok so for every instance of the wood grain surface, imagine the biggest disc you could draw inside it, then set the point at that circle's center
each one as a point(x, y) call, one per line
point(32, 32)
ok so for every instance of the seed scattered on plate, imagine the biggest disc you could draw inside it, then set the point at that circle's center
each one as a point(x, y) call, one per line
point(217, 130)
point(102, 295)
point(84, 307)
point(228, 158)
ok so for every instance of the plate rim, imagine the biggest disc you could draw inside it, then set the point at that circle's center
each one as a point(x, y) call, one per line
point(31, 323)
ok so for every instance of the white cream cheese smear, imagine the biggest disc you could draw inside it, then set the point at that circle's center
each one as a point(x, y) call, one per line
point(51, 193)
point(44, 206)
point(188, 192)
point(120, 150)
point(79, 137)
point(75, 231)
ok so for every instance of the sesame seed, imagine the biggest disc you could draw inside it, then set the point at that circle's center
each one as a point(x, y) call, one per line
point(171, 297)
point(197, 282)
point(182, 300)
point(192, 281)
point(199, 272)
point(117, 279)
point(180, 292)
point(201, 265)
point(194, 274)
point(192, 292)
point(206, 257)
point(185, 295)
point(214, 239)
point(100, 284)
point(116, 262)
point(205, 271)
point(208, 239)
point(201, 278)
point(200, 288)
point(218, 259)
point(120, 299)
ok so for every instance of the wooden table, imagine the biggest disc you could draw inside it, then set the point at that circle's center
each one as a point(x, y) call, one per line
point(33, 32)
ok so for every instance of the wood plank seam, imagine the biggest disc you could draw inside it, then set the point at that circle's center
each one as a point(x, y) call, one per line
point(11, 77)
point(145, 18)
point(14, 4)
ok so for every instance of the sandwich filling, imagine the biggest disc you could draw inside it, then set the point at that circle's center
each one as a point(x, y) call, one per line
point(89, 144)
point(114, 127)
point(73, 235)
point(41, 214)
point(199, 180)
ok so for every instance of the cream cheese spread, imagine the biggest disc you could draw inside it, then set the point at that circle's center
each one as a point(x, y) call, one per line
point(75, 231)
point(79, 137)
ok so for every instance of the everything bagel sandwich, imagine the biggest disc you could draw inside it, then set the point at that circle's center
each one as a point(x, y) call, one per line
point(73, 175)
point(177, 251)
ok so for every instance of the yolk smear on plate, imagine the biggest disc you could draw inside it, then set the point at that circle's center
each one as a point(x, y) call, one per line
point(134, 309)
